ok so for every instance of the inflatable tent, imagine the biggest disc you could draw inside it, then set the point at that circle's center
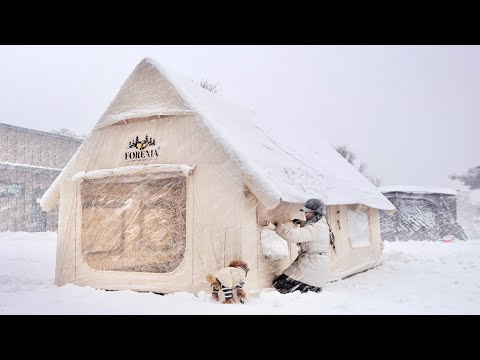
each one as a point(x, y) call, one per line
point(174, 182)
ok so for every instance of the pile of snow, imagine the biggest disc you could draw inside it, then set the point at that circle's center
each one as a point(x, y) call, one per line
point(415, 278)
point(468, 212)
point(475, 197)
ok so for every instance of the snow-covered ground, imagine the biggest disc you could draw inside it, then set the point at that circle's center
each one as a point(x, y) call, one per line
point(415, 278)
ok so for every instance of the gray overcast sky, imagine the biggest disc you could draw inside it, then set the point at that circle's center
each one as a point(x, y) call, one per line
point(411, 112)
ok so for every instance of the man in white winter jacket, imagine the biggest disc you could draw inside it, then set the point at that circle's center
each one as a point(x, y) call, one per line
point(309, 271)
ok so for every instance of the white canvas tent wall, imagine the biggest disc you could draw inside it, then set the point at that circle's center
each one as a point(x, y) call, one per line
point(228, 177)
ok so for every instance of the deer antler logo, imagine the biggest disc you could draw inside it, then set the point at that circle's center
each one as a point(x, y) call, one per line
point(141, 144)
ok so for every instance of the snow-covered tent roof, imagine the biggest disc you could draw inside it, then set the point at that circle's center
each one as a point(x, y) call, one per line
point(272, 171)
point(416, 189)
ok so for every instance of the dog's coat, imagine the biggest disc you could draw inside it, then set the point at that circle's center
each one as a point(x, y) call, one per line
point(229, 279)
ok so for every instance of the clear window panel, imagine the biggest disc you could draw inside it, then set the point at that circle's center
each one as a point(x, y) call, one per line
point(358, 228)
point(134, 223)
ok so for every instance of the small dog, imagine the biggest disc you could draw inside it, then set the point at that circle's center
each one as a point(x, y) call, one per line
point(229, 279)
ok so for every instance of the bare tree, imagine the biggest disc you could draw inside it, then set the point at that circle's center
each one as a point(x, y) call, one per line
point(69, 133)
point(375, 180)
point(470, 178)
point(346, 153)
point(210, 86)
point(363, 168)
point(351, 157)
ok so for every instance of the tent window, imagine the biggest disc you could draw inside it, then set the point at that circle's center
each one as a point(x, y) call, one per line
point(134, 223)
point(358, 228)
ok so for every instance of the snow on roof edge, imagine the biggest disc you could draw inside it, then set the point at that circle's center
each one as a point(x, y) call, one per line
point(417, 189)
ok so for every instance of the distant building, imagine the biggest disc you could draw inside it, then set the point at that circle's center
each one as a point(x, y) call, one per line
point(423, 213)
point(29, 162)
